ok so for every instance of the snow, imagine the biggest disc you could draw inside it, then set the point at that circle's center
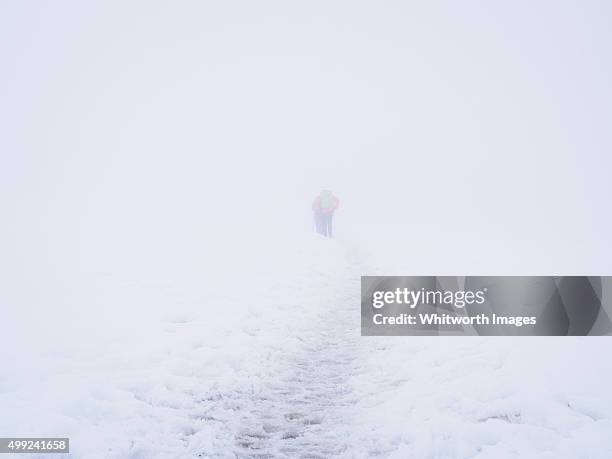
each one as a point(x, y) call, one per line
point(486, 397)
point(162, 294)
point(269, 362)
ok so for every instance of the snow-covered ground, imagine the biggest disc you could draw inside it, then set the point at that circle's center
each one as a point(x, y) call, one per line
point(269, 362)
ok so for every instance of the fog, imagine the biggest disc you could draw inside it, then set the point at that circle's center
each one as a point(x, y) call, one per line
point(157, 128)
point(163, 290)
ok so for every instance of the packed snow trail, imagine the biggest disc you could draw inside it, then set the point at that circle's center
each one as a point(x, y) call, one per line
point(297, 404)
point(299, 412)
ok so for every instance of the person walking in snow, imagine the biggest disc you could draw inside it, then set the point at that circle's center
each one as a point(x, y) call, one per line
point(323, 207)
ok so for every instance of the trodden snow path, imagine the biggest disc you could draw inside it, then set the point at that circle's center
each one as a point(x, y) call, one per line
point(300, 412)
point(299, 403)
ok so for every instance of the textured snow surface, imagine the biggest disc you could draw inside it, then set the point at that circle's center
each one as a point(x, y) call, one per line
point(270, 363)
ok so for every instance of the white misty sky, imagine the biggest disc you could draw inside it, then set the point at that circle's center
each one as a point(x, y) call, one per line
point(457, 130)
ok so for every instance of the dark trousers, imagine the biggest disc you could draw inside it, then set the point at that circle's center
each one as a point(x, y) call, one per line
point(324, 223)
